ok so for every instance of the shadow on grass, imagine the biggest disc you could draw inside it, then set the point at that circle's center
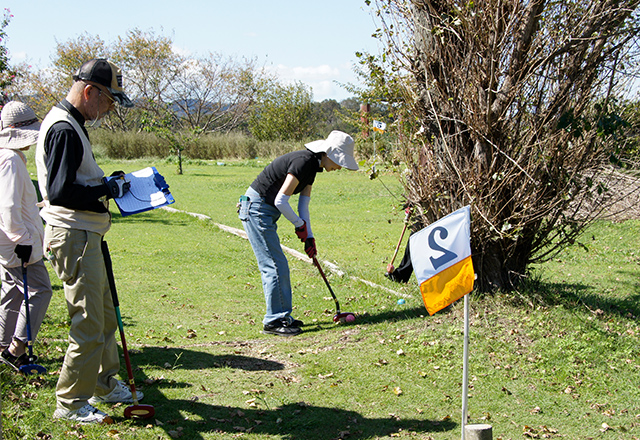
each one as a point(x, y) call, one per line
point(394, 315)
point(194, 418)
point(579, 295)
point(184, 359)
point(199, 415)
point(291, 422)
point(148, 217)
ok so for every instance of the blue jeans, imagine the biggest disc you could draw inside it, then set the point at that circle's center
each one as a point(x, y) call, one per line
point(259, 222)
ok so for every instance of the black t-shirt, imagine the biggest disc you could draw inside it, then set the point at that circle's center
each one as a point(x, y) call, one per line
point(303, 164)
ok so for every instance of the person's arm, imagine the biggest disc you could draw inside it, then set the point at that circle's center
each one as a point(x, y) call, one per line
point(282, 200)
point(11, 181)
point(303, 208)
point(64, 152)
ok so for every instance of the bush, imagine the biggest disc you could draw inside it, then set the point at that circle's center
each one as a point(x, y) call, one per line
point(128, 145)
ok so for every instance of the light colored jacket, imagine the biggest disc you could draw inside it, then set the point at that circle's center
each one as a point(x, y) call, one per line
point(88, 174)
point(20, 221)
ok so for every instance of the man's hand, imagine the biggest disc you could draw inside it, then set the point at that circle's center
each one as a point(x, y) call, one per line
point(117, 187)
point(310, 247)
point(390, 268)
point(302, 232)
point(23, 252)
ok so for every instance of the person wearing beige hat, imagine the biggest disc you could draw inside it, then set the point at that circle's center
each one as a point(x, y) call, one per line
point(21, 235)
point(267, 198)
point(76, 210)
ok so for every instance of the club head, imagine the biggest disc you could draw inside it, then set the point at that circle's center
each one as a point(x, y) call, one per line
point(32, 369)
point(139, 411)
point(344, 317)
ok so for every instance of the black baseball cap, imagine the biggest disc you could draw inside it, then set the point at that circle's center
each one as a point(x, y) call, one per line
point(105, 73)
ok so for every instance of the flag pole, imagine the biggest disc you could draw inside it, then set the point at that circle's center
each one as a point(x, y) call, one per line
point(465, 364)
point(374, 151)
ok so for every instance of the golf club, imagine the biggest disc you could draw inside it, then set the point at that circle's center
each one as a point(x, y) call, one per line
point(137, 410)
point(406, 222)
point(31, 367)
point(339, 316)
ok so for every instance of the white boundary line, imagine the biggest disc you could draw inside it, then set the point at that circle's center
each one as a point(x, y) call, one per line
point(299, 255)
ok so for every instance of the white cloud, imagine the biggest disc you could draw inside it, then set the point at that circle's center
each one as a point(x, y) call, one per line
point(304, 74)
point(322, 79)
point(180, 50)
point(18, 56)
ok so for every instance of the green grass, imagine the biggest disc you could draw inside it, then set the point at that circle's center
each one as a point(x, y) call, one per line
point(557, 360)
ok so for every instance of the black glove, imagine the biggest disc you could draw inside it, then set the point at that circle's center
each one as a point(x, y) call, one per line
point(302, 232)
point(117, 187)
point(310, 247)
point(117, 173)
point(23, 252)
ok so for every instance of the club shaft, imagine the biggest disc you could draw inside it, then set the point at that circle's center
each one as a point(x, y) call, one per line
point(395, 253)
point(116, 303)
point(25, 288)
point(317, 264)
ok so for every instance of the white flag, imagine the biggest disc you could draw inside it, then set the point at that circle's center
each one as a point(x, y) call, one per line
point(441, 259)
point(379, 126)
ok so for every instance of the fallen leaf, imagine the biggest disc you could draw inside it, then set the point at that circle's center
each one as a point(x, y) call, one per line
point(325, 376)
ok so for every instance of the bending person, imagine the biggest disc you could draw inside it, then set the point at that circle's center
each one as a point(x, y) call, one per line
point(267, 199)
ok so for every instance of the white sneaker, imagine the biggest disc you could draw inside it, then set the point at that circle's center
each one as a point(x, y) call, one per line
point(120, 394)
point(87, 414)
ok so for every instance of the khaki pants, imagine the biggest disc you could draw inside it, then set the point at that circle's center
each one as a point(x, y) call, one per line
point(92, 359)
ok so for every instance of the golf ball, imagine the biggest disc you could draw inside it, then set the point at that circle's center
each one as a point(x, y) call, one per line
point(350, 318)
point(401, 301)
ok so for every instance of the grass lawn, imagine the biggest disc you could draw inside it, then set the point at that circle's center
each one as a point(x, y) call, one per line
point(557, 360)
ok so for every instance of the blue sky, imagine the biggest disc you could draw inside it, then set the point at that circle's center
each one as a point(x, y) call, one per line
point(309, 41)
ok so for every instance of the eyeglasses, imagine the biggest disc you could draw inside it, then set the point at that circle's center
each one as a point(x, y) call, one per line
point(103, 92)
point(108, 95)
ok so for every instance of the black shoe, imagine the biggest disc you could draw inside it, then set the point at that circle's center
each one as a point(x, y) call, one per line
point(296, 323)
point(13, 361)
point(281, 327)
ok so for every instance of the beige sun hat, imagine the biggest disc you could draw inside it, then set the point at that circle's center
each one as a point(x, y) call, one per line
point(339, 148)
point(19, 126)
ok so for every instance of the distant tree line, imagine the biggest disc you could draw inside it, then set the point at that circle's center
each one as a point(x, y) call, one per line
point(181, 98)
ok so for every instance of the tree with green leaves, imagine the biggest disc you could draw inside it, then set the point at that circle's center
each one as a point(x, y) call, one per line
point(509, 107)
point(281, 111)
point(7, 73)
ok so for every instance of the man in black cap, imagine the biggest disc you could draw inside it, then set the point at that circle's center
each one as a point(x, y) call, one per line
point(75, 207)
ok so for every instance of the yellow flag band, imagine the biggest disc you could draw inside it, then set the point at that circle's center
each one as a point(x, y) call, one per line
point(448, 286)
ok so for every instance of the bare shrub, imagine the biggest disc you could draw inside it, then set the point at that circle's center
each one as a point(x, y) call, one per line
point(510, 108)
